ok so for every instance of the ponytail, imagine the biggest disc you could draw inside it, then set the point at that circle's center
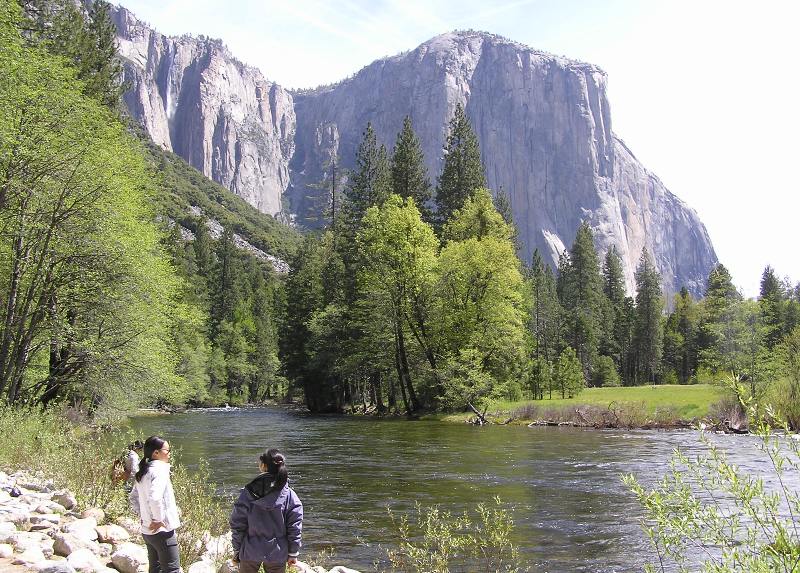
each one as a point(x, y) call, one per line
point(151, 444)
point(276, 467)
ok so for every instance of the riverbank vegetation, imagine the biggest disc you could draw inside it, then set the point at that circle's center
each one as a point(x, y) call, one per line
point(79, 457)
point(661, 406)
point(706, 514)
point(432, 540)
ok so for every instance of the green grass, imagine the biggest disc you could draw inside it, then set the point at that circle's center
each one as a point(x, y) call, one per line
point(680, 402)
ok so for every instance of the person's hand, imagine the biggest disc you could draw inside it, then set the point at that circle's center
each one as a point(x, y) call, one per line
point(155, 525)
point(235, 559)
point(291, 561)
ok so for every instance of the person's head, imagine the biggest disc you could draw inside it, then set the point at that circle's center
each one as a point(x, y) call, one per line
point(274, 463)
point(155, 448)
point(137, 445)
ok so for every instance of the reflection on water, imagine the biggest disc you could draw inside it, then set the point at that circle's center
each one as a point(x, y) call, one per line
point(572, 512)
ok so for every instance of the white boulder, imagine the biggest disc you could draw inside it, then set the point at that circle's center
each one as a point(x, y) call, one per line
point(85, 528)
point(6, 550)
point(65, 498)
point(66, 543)
point(30, 557)
point(85, 561)
point(113, 534)
point(129, 557)
point(61, 566)
point(95, 512)
point(202, 567)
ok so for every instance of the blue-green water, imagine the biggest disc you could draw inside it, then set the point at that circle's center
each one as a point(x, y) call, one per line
point(571, 511)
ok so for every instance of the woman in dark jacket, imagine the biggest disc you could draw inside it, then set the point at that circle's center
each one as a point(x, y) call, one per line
point(267, 519)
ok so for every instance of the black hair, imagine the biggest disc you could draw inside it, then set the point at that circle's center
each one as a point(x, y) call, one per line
point(136, 445)
point(276, 467)
point(151, 444)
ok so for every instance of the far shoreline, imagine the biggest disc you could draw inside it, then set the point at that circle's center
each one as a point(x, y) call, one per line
point(658, 407)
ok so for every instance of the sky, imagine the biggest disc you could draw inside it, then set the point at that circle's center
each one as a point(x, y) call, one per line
point(704, 92)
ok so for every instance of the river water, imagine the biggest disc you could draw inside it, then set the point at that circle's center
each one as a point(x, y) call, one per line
point(571, 511)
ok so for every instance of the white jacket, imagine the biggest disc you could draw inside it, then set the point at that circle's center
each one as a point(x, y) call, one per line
point(153, 499)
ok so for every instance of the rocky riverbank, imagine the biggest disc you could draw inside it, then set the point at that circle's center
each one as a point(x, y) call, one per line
point(43, 530)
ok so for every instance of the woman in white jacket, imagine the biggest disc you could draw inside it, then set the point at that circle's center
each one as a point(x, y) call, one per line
point(153, 500)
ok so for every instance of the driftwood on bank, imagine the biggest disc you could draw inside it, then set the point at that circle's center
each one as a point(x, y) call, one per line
point(480, 419)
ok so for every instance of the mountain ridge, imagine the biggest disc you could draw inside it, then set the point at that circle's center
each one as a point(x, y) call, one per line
point(543, 122)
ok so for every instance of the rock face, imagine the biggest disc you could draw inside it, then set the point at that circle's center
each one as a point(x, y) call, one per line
point(221, 116)
point(543, 122)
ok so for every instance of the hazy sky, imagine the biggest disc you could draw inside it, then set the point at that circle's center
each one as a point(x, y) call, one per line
point(704, 92)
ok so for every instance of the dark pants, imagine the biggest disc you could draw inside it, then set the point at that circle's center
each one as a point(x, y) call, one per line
point(162, 552)
point(252, 567)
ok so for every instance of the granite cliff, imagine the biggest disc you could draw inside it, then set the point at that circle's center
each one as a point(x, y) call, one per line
point(543, 122)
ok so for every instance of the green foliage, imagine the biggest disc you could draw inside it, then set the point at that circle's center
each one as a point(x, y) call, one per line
point(204, 511)
point(708, 508)
point(581, 296)
point(399, 255)
point(462, 171)
point(465, 382)
point(370, 183)
point(480, 298)
point(648, 330)
point(477, 218)
point(568, 374)
point(86, 39)
point(90, 292)
point(409, 174)
point(182, 186)
point(436, 541)
point(618, 340)
point(605, 373)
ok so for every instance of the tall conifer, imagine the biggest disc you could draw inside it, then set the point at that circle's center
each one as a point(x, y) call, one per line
point(462, 172)
point(409, 174)
point(771, 307)
point(649, 308)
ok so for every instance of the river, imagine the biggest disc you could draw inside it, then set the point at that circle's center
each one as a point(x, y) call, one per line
point(571, 511)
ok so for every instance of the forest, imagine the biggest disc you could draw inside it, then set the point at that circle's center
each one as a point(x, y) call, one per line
point(114, 294)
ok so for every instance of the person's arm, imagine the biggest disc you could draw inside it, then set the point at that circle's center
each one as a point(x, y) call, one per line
point(156, 489)
point(294, 526)
point(238, 523)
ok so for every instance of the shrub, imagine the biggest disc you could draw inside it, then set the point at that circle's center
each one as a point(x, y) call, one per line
point(605, 373)
point(79, 458)
point(436, 541)
point(708, 507)
point(203, 512)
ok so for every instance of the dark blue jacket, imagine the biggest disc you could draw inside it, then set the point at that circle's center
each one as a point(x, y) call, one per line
point(266, 525)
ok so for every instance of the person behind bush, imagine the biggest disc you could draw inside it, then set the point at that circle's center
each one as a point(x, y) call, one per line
point(153, 500)
point(130, 464)
point(267, 519)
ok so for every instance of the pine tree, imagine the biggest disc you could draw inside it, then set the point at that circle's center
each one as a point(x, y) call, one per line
point(614, 343)
point(409, 174)
point(86, 39)
point(680, 337)
point(370, 183)
point(581, 296)
point(771, 302)
point(462, 171)
point(545, 323)
point(648, 337)
point(717, 320)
